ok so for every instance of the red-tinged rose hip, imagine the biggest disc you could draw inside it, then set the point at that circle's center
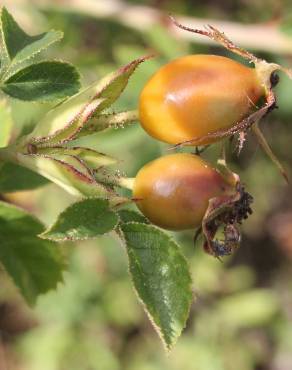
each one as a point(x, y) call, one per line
point(173, 191)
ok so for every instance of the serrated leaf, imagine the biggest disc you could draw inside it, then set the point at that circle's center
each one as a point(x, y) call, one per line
point(128, 215)
point(161, 278)
point(71, 175)
point(18, 178)
point(67, 119)
point(5, 123)
point(19, 45)
point(35, 265)
point(47, 80)
point(89, 218)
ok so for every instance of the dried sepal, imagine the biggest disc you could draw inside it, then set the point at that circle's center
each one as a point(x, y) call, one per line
point(225, 212)
point(223, 216)
point(218, 37)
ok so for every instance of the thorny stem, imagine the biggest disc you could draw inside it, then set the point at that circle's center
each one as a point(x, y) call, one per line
point(267, 149)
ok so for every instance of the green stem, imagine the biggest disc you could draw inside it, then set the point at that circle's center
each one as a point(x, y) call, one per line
point(127, 182)
point(105, 121)
point(121, 117)
point(267, 149)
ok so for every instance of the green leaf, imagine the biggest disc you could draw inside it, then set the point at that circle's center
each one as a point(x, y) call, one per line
point(6, 123)
point(2, 56)
point(18, 178)
point(35, 265)
point(4, 59)
point(89, 156)
point(128, 215)
point(20, 46)
point(72, 174)
point(67, 119)
point(86, 219)
point(161, 278)
point(47, 80)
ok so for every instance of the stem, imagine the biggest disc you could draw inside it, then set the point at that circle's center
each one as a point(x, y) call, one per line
point(127, 182)
point(112, 120)
point(125, 117)
point(223, 151)
point(118, 202)
point(267, 149)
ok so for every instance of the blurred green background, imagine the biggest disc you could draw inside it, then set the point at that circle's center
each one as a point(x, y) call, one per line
point(242, 315)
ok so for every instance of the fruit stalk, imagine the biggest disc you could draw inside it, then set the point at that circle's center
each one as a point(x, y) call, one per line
point(267, 149)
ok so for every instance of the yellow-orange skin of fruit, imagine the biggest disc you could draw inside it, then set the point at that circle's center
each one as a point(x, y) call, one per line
point(173, 191)
point(195, 95)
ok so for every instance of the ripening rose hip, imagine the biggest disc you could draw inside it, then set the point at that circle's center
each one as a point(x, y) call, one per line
point(182, 191)
point(173, 191)
point(195, 95)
